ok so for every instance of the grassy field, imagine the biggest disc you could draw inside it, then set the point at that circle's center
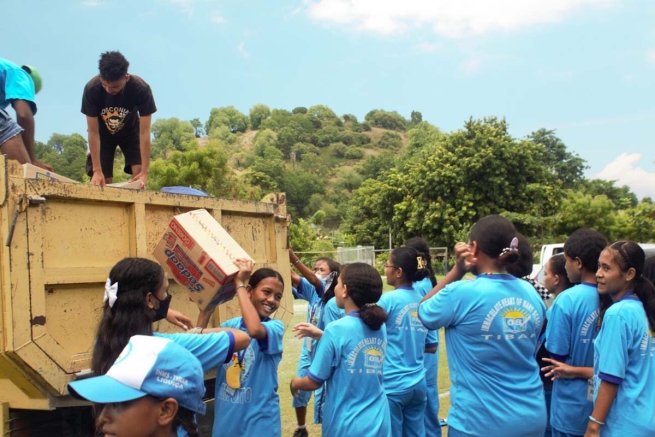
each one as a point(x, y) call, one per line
point(287, 371)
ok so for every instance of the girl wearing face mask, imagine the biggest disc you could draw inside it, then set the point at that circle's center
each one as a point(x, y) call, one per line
point(317, 288)
point(246, 401)
point(136, 296)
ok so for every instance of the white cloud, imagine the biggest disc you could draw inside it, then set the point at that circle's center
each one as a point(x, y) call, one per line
point(625, 169)
point(216, 17)
point(91, 3)
point(453, 19)
point(242, 50)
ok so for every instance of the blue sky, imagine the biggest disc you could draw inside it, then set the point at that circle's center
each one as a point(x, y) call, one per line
point(582, 67)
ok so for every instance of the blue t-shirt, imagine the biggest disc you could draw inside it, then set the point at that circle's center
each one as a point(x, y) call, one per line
point(492, 327)
point(349, 362)
point(212, 349)
point(625, 355)
point(403, 364)
point(15, 84)
point(430, 361)
point(253, 409)
point(308, 292)
point(570, 334)
point(331, 312)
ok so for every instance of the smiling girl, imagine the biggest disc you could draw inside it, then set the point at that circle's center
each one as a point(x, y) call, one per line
point(247, 403)
point(624, 365)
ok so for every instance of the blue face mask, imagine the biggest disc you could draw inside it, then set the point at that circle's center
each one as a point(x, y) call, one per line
point(162, 311)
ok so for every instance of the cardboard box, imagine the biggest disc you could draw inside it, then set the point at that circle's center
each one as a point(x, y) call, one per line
point(199, 254)
point(136, 185)
point(33, 172)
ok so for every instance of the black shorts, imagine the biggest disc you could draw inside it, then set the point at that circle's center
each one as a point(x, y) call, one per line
point(131, 151)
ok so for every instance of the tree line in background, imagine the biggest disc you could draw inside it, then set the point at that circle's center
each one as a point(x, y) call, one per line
point(350, 182)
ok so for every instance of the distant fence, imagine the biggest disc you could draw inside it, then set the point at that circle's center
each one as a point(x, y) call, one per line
point(368, 255)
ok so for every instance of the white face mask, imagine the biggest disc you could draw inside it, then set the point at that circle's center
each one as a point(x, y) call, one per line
point(322, 277)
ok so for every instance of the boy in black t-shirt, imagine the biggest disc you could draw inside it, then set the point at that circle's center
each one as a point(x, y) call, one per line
point(118, 108)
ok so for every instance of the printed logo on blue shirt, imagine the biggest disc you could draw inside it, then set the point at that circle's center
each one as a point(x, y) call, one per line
point(373, 356)
point(590, 323)
point(241, 395)
point(415, 323)
point(647, 345)
point(515, 320)
point(516, 314)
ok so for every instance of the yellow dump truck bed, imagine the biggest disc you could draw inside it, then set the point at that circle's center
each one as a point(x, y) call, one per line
point(63, 240)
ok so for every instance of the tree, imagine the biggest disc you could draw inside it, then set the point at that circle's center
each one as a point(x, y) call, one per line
point(323, 113)
point(446, 187)
point(171, 134)
point(264, 138)
point(390, 140)
point(371, 210)
point(622, 197)
point(299, 110)
point(416, 117)
point(197, 127)
point(375, 165)
point(568, 167)
point(354, 152)
point(227, 116)
point(202, 168)
point(66, 153)
point(386, 120)
point(258, 114)
point(580, 210)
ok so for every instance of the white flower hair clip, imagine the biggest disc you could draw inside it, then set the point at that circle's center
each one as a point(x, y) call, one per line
point(111, 293)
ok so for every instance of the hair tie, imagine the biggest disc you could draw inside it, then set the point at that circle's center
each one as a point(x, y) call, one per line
point(420, 265)
point(369, 305)
point(513, 247)
point(111, 293)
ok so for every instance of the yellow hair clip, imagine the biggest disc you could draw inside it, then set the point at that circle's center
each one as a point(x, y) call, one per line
point(420, 263)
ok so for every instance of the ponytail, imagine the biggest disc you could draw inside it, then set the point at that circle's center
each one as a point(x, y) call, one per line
point(373, 316)
point(365, 289)
point(421, 246)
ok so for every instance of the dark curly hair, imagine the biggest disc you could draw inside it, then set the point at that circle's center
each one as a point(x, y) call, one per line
point(587, 245)
point(493, 234)
point(113, 66)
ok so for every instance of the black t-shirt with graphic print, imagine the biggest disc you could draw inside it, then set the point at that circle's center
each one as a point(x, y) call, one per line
point(118, 116)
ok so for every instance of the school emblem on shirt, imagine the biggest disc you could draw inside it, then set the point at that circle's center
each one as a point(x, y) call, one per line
point(410, 311)
point(515, 320)
point(373, 358)
point(367, 357)
point(516, 314)
point(114, 118)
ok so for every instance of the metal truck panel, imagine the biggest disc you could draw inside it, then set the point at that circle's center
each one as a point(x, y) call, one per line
point(64, 239)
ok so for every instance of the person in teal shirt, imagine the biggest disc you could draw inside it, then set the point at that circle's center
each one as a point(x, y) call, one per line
point(624, 364)
point(570, 334)
point(492, 327)
point(246, 399)
point(404, 370)
point(350, 360)
point(18, 86)
point(430, 361)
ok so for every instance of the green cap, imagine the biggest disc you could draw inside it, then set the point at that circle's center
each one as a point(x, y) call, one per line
point(36, 77)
